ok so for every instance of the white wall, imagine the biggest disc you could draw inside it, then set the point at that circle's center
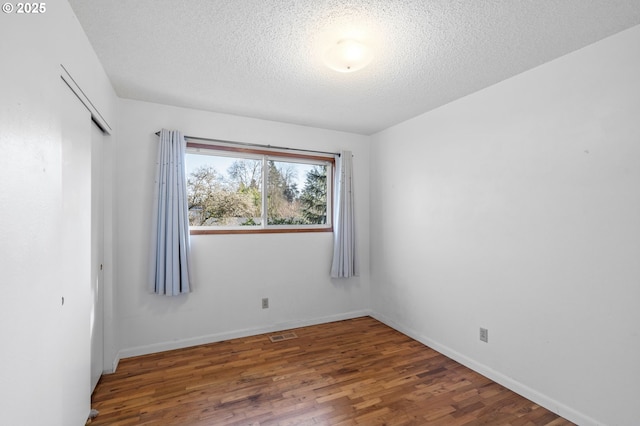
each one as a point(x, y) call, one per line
point(33, 358)
point(232, 272)
point(517, 209)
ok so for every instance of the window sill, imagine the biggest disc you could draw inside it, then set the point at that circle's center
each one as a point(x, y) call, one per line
point(257, 231)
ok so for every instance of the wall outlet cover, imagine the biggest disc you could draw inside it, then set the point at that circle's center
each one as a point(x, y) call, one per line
point(484, 335)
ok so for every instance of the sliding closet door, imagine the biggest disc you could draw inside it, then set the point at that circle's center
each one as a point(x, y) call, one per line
point(75, 262)
point(97, 255)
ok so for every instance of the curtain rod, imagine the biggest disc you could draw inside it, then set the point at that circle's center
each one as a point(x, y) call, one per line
point(257, 145)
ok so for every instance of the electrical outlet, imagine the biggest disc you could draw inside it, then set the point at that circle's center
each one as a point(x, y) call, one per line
point(265, 303)
point(484, 335)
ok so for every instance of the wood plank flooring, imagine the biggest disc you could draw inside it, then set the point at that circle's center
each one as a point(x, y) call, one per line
point(354, 372)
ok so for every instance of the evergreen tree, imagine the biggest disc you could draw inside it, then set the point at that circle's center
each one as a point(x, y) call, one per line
point(314, 196)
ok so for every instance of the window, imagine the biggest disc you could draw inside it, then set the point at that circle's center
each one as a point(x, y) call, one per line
point(238, 190)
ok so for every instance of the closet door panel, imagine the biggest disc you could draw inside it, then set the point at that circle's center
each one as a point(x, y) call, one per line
point(97, 255)
point(75, 260)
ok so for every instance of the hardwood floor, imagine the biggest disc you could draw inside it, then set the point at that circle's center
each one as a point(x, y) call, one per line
point(354, 372)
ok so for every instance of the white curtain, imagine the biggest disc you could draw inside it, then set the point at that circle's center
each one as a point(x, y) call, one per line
point(345, 259)
point(170, 270)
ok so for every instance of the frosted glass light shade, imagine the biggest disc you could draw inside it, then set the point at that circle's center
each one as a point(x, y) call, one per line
point(348, 56)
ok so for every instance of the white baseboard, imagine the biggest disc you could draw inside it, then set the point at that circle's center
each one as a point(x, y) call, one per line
point(234, 334)
point(517, 387)
point(114, 365)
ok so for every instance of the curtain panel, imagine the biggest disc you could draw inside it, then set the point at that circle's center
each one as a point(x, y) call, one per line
point(170, 268)
point(345, 259)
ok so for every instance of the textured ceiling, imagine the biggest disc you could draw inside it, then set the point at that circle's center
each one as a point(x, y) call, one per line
point(263, 58)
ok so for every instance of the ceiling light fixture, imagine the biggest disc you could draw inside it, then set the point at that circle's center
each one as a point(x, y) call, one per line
point(348, 56)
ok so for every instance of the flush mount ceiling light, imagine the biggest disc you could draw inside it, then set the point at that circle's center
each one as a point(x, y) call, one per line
point(348, 56)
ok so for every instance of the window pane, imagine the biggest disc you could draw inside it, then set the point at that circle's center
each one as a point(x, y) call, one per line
point(296, 193)
point(223, 191)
